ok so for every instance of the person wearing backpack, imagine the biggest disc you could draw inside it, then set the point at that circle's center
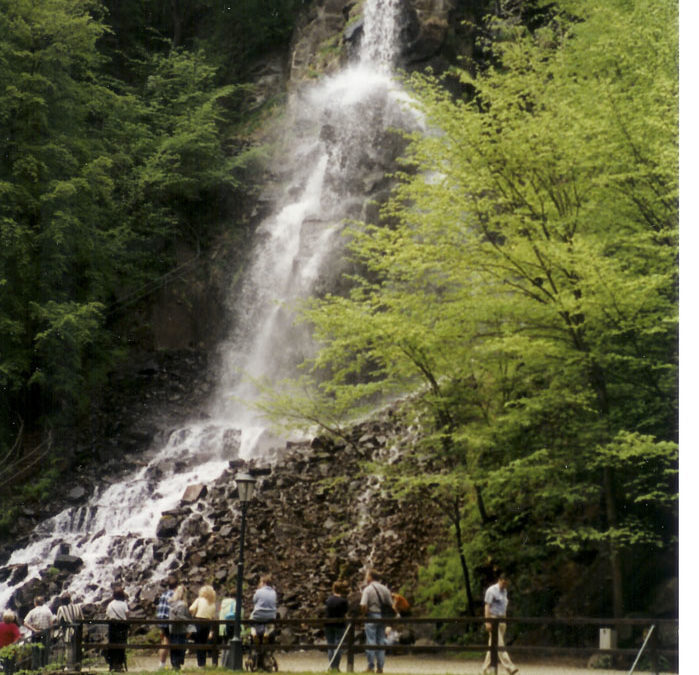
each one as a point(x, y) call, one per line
point(376, 603)
point(178, 631)
point(226, 613)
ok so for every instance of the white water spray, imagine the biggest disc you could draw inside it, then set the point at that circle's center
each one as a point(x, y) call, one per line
point(333, 155)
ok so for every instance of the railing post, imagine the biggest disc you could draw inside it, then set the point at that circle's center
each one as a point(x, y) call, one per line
point(214, 651)
point(77, 645)
point(654, 660)
point(350, 648)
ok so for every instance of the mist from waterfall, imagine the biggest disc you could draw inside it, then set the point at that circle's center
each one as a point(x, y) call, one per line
point(331, 154)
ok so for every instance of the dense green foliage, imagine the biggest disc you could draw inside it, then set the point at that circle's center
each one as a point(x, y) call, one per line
point(120, 136)
point(524, 286)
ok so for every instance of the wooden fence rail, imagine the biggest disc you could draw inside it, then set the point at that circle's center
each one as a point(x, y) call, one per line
point(74, 650)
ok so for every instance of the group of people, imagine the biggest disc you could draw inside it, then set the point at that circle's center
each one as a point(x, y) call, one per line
point(376, 596)
point(202, 612)
point(205, 609)
point(196, 620)
point(39, 623)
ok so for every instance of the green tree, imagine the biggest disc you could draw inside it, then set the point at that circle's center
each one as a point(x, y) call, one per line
point(525, 288)
point(56, 216)
point(99, 180)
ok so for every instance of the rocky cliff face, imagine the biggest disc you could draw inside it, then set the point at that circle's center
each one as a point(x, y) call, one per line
point(328, 35)
point(315, 517)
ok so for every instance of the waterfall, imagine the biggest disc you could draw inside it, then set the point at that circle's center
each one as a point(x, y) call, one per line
point(332, 158)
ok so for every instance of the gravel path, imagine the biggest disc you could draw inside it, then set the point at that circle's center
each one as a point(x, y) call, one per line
point(403, 664)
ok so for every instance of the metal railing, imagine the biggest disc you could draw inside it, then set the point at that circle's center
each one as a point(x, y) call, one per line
point(462, 632)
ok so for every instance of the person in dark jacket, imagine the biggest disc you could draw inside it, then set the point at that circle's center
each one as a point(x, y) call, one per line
point(335, 608)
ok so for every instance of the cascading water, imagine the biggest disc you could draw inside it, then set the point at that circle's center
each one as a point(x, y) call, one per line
point(333, 155)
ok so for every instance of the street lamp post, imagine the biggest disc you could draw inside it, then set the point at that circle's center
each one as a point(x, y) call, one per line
point(246, 485)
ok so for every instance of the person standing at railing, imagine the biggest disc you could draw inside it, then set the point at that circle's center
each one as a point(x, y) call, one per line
point(9, 633)
point(118, 630)
point(39, 621)
point(374, 595)
point(9, 630)
point(67, 614)
point(204, 607)
point(178, 631)
point(162, 611)
point(226, 612)
point(496, 607)
point(336, 608)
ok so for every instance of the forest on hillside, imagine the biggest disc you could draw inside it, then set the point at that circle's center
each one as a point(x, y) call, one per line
point(124, 127)
point(523, 284)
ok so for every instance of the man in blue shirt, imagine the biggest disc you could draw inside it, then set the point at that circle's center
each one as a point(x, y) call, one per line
point(264, 604)
point(496, 607)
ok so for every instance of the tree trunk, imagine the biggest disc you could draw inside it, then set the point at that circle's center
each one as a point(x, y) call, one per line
point(452, 508)
point(614, 558)
point(485, 518)
point(176, 23)
point(464, 564)
point(600, 384)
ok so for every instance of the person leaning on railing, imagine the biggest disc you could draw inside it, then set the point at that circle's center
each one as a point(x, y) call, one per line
point(39, 620)
point(9, 633)
point(118, 612)
point(178, 631)
point(9, 630)
point(67, 614)
point(204, 607)
point(162, 611)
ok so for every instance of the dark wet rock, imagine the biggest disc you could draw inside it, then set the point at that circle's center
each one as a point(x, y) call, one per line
point(13, 574)
point(67, 562)
point(167, 526)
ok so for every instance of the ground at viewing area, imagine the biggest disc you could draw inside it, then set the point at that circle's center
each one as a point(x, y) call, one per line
point(311, 662)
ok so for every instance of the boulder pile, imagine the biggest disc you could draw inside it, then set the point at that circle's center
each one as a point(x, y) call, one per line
point(319, 513)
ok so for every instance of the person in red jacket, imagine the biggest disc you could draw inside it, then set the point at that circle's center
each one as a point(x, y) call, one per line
point(9, 630)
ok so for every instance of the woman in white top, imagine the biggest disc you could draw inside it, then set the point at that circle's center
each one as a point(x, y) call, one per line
point(204, 607)
point(117, 610)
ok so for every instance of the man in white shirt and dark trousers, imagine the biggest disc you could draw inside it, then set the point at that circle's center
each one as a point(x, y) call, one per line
point(39, 620)
point(496, 607)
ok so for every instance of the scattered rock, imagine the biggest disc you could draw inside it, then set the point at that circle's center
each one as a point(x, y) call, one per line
point(69, 563)
point(167, 527)
point(77, 493)
point(193, 493)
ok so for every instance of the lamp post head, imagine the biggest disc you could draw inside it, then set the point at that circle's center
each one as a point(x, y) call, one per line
point(246, 486)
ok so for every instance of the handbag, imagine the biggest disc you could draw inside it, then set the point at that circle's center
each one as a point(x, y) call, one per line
point(387, 611)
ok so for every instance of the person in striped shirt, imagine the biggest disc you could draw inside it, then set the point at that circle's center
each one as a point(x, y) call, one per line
point(67, 614)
